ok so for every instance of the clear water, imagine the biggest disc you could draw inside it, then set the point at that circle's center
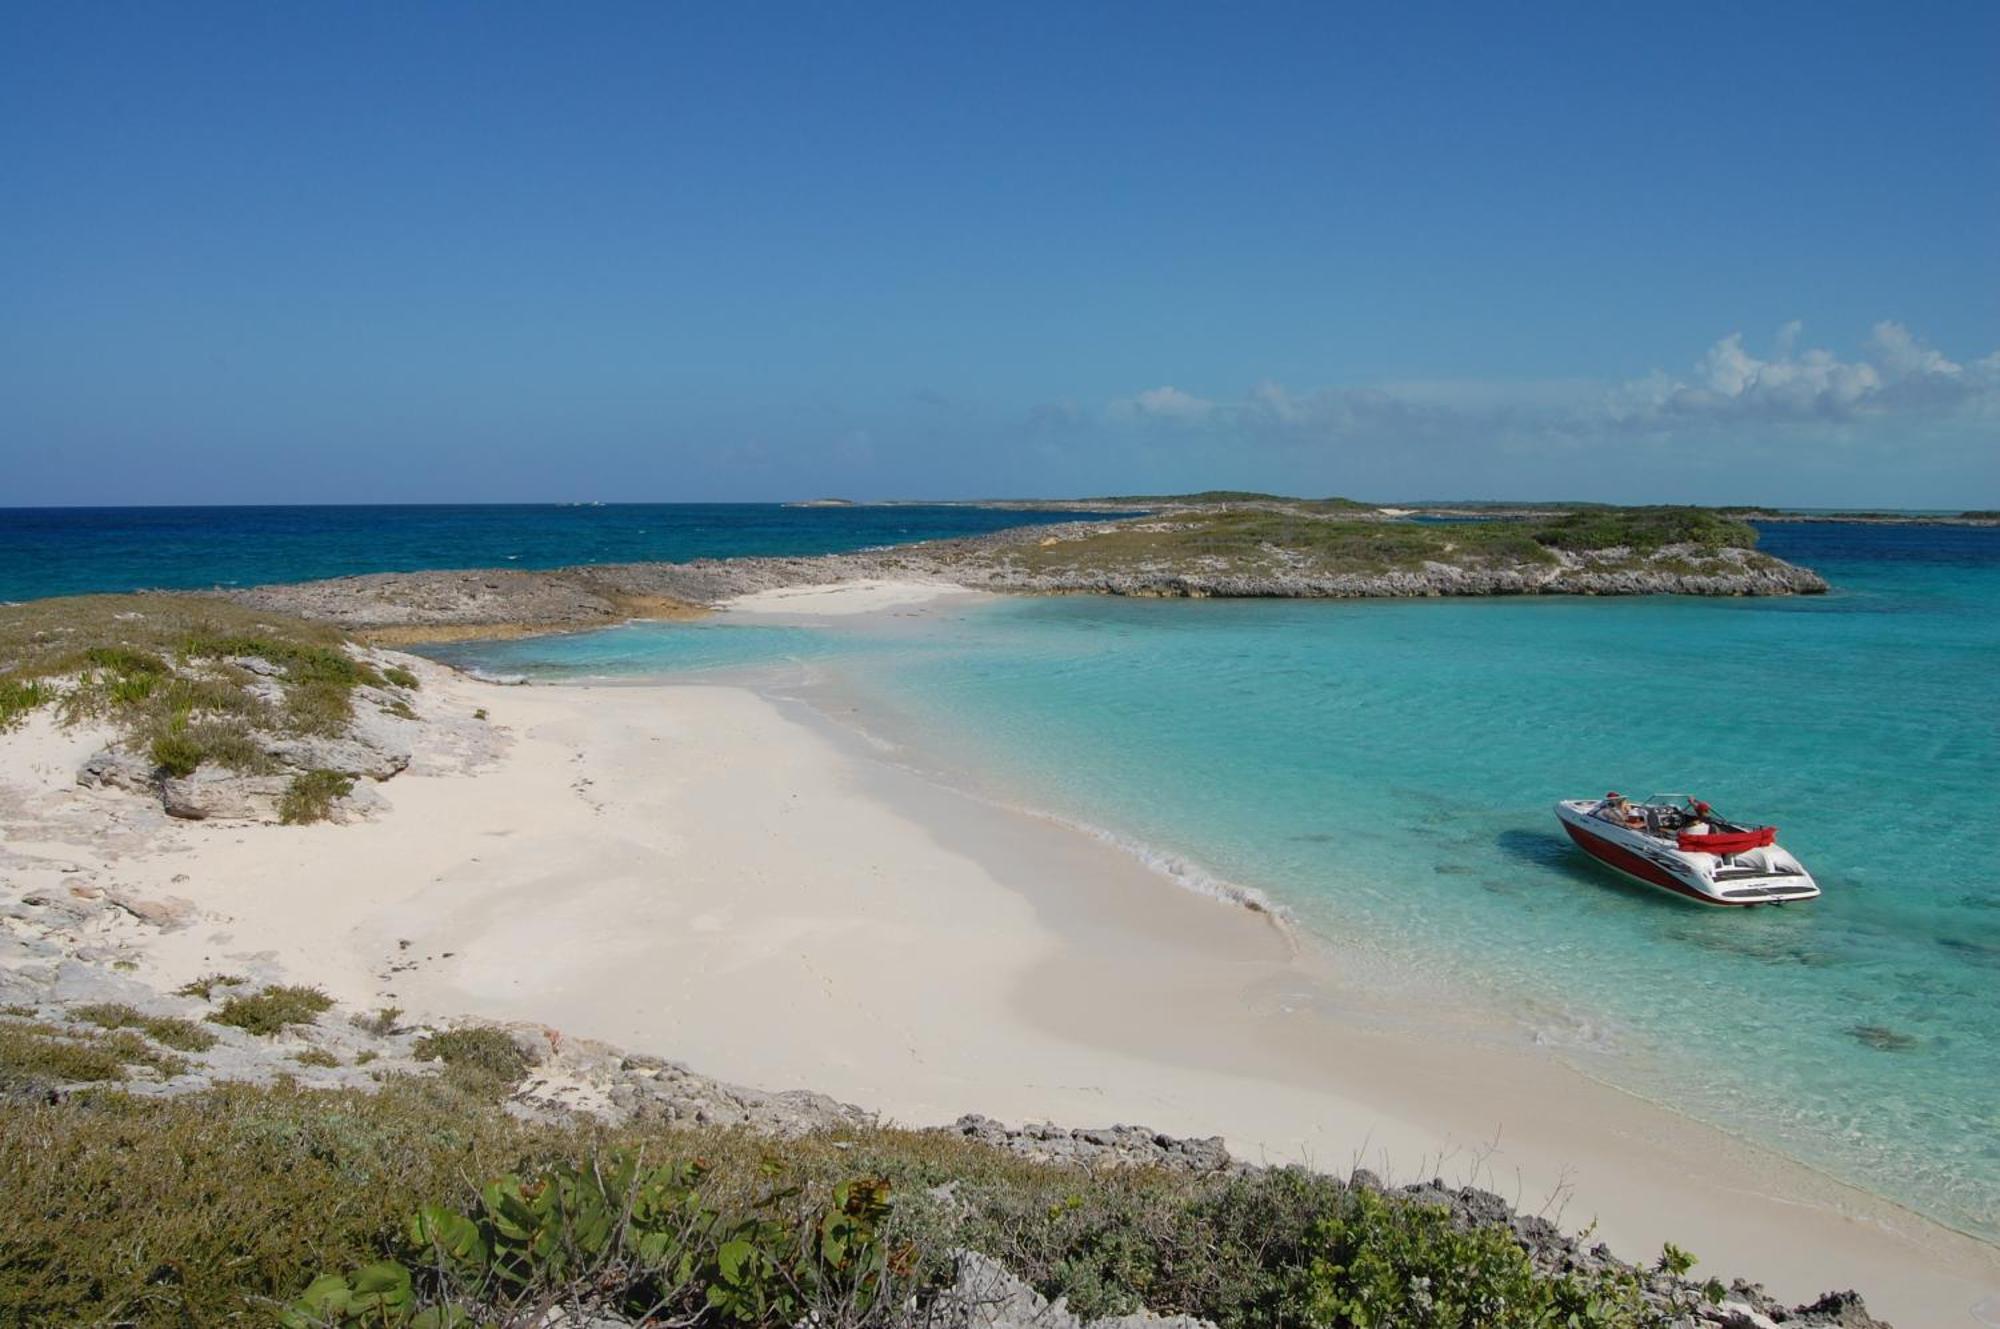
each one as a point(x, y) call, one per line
point(1385, 770)
point(74, 551)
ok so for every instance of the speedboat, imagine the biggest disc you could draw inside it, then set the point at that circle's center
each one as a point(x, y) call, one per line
point(1678, 844)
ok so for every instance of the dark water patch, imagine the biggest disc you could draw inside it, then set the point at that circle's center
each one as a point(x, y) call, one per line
point(1979, 952)
point(1731, 938)
point(1882, 1038)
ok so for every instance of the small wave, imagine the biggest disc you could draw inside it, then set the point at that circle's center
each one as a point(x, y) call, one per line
point(1182, 872)
point(502, 680)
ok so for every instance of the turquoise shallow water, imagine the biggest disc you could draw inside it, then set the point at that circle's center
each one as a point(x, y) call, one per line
point(1385, 771)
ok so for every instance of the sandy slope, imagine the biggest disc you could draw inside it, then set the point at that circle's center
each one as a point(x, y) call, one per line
point(697, 872)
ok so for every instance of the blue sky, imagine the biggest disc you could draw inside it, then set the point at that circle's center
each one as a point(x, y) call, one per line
point(380, 252)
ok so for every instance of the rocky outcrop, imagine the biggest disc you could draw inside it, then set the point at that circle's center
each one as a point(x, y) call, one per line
point(571, 1076)
point(377, 742)
point(985, 1294)
point(390, 605)
point(1103, 1146)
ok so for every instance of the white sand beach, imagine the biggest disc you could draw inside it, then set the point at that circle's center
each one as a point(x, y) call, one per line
point(861, 596)
point(698, 872)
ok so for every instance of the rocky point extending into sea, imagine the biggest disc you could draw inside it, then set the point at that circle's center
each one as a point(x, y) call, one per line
point(1150, 555)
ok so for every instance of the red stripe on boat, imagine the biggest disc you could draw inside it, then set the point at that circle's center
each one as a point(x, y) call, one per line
point(1635, 865)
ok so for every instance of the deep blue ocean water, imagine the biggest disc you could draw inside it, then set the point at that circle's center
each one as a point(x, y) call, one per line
point(1385, 771)
point(72, 551)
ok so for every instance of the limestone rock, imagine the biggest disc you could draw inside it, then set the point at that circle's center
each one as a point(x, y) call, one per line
point(169, 914)
point(118, 768)
point(350, 755)
point(213, 793)
point(1103, 1146)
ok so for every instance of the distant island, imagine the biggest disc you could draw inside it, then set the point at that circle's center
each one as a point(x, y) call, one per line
point(1210, 544)
point(1497, 509)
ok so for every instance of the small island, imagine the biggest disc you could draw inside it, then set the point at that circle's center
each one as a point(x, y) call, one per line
point(1220, 544)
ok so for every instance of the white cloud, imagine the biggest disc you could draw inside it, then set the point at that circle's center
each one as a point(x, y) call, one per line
point(1166, 403)
point(1730, 388)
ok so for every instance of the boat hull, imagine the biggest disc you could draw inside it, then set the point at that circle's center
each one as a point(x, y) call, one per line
point(1700, 877)
point(1643, 870)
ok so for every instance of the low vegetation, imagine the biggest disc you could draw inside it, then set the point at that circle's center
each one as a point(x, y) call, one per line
point(1314, 539)
point(311, 796)
point(190, 680)
point(272, 1010)
point(37, 1056)
point(166, 1030)
point(1209, 497)
point(426, 1204)
point(205, 986)
point(477, 1054)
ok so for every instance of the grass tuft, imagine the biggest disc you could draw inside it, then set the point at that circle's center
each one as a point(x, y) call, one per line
point(478, 1054)
point(273, 1010)
point(20, 696)
point(182, 1035)
point(36, 1056)
point(311, 795)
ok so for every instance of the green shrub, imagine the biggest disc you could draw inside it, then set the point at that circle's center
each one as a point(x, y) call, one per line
point(400, 677)
point(206, 1209)
point(273, 1010)
point(311, 795)
point(1379, 1263)
point(181, 744)
point(480, 1053)
point(35, 1056)
point(32, 1056)
point(182, 1035)
point(316, 1057)
point(301, 661)
point(615, 1233)
point(176, 751)
point(1644, 529)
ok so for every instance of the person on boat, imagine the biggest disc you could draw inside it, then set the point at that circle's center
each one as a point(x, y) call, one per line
point(1621, 811)
point(1698, 823)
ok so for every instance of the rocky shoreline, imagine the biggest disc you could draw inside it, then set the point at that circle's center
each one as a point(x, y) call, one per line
point(406, 607)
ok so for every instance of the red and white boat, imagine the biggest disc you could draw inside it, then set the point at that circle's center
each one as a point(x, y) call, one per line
point(1678, 844)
